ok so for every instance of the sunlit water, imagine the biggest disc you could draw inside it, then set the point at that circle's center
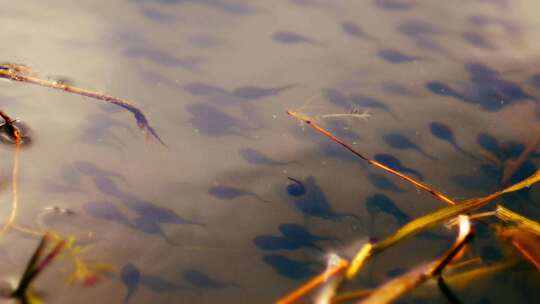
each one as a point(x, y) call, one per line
point(198, 222)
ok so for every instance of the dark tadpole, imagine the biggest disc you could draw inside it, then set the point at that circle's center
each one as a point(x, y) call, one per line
point(159, 285)
point(106, 211)
point(422, 34)
point(203, 89)
point(354, 30)
point(395, 56)
point(369, 102)
point(315, 204)
point(291, 269)
point(255, 157)
point(297, 232)
point(395, 163)
point(486, 89)
point(149, 226)
point(380, 203)
point(295, 187)
point(154, 213)
point(253, 92)
point(443, 132)
point(477, 40)
point(490, 144)
point(202, 280)
point(131, 277)
point(208, 120)
point(107, 186)
point(286, 37)
point(163, 58)
point(534, 80)
point(492, 93)
point(402, 142)
point(395, 5)
point(383, 183)
point(440, 88)
point(88, 168)
point(273, 243)
point(230, 193)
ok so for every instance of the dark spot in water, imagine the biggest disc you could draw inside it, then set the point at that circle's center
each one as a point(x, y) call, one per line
point(273, 243)
point(162, 58)
point(154, 213)
point(395, 56)
point(336, 97)
point(149, 226)
point(131, 277)
point(396, 89)
point(491, 254)
point(535, 80)
point(486, 88)
point(477, 40)
point(354, 30)
point(210, 121)
point(380, 203)
point(443, 89)
point(421, 34)
point(314, 203)
point(383, 183)
point(225, 6)
point(443, 132)
point(106, 211)
point(395, 272)
point(253, 92)
point(369, 102)
point(203, 89)
point(157, 16)
point(230, 193)
point(289, 268)
point(255, 157)
point(295, 187)
point(104, 130)
point(107, 186)
point(395, 5)
point(297, 232)
point(202, 280)
point(149, 212)
point(88, 168)
point(490, 144)
point(402, 142)
point(396, 164)
point(159, 285)
point(286, 37)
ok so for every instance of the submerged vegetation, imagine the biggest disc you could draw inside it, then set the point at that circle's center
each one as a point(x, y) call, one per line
point(519, 232)
point(53, 245)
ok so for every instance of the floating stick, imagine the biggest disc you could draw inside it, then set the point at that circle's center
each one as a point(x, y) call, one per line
point(21, 73)
point(305, 119)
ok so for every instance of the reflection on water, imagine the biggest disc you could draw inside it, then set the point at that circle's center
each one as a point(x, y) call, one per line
point(244, 204)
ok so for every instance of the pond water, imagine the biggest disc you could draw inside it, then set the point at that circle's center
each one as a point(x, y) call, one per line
point(221, 213)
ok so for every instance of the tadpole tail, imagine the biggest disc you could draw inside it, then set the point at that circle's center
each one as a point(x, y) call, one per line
point(415, 173)
point(460, 150)
point(424, 153)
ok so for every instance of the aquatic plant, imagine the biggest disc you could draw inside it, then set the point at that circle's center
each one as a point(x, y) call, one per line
point(522, 233)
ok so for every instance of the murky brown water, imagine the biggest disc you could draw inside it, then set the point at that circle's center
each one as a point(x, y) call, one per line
point(214, 78)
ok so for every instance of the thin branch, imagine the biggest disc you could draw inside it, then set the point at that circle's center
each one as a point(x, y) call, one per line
point(305, 119)
point(21, 73)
